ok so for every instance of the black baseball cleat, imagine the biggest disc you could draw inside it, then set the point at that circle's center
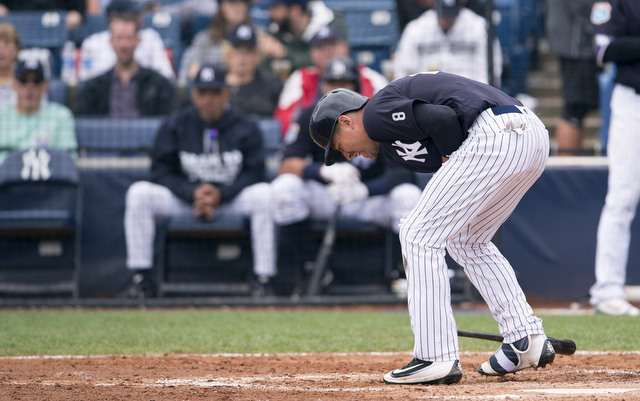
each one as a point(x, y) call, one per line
point(532, 351)
point(426, 372)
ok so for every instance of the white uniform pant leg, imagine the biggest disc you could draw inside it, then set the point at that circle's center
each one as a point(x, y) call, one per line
point(614, 229)
point(256, 203)
point(461, 201)
point(296, 199)
point(144, 201)
point(385, 210)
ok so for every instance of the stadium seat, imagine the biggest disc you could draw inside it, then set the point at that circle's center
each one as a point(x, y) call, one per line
point(196, 256)
point(105, 136)
point(45, 29)
point(372, 28)
point(361, 261)
point(168, 26)
point(40, 209)
point(57, 91)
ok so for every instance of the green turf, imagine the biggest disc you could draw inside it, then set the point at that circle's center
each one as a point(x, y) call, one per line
point(242, 331)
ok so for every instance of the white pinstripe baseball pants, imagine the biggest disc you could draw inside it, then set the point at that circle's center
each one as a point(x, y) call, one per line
point(623, 196)
point(460, 210)
point(146, 200)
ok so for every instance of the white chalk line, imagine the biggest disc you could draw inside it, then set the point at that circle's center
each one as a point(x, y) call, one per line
point(269, 355)
point(258, 383)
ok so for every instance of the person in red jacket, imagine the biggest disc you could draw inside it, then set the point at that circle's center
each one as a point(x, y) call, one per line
point(301, 88)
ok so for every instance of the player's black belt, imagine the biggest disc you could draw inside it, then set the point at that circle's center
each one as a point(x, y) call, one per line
point(507, 108)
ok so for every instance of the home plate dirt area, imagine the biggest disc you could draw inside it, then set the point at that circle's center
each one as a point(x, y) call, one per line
point(330, 376)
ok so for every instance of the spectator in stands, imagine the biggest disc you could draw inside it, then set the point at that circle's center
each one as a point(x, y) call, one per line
point(208, 159)
point(127, 89)
point(301, 88)
point(448, 38)
point(97, 56)
point(207, 46)
point(306, 189)
point(9, 48)
point(570, 37)
point(287, 40)
point(32, 122)
point(74, 9)
point(254, 89)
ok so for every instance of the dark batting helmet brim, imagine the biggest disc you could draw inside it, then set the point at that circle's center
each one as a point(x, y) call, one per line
point(325, 117)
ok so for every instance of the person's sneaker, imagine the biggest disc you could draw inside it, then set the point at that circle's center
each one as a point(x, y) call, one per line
point(425, 372)
point(261, 287)
point(533, 351)
point(617, 307)
point(140, 287)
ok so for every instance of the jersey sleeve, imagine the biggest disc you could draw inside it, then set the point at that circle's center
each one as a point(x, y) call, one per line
point(389, 117)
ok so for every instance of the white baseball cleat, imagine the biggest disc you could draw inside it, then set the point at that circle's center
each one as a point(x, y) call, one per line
point(532, 351)
point(617, 307)
point(425, 372)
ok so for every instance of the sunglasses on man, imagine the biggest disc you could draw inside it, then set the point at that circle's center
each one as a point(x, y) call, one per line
point(26, 80)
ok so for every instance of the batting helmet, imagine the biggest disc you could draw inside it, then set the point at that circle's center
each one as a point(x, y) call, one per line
point(325, 117)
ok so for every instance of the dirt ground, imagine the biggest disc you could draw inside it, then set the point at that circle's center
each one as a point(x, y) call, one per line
point(352, 376)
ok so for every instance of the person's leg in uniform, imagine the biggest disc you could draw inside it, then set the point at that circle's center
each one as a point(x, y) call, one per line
point(292, 197)
point(144, 201)
point(256, 203)
point(614, 229)
point(503, 155)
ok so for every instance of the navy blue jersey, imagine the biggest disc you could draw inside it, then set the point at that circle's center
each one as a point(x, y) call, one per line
point(616, 22)
point(388, 116)
point(188, 152)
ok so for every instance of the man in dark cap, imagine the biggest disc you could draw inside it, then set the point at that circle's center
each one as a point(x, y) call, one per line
point(307, 190)
point(32, 122)
point(301, 88)
point(208, 159)
point(254, 89)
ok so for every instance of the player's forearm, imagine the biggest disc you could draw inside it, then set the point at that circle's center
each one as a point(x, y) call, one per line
point(441, 124)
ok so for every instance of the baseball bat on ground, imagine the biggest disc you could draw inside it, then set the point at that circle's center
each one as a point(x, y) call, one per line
point(561, 346)
point(323, 254)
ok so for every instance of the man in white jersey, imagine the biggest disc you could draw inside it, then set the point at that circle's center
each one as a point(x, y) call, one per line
point(487, 150)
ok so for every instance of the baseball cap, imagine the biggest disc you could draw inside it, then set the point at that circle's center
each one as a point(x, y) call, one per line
point(325, 117)
point(326, 34)
point(134, 6)
point(24, 67)
point(210, 77)
point(447, 8)
point(242, 34)
point(269, 3)
point(341, 68)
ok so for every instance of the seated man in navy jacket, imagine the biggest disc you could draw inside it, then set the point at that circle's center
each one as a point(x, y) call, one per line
point(207, 160)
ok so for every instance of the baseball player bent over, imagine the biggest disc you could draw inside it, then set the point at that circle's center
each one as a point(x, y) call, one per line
point(487, 150)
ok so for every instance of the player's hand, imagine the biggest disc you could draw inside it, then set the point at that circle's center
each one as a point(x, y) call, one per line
point(206, 199)
point(348, 192)
point(444, 159)
point(340, 173)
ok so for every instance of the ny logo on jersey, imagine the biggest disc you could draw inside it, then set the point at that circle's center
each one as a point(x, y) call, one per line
point(410, 151)
point(35, 165)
